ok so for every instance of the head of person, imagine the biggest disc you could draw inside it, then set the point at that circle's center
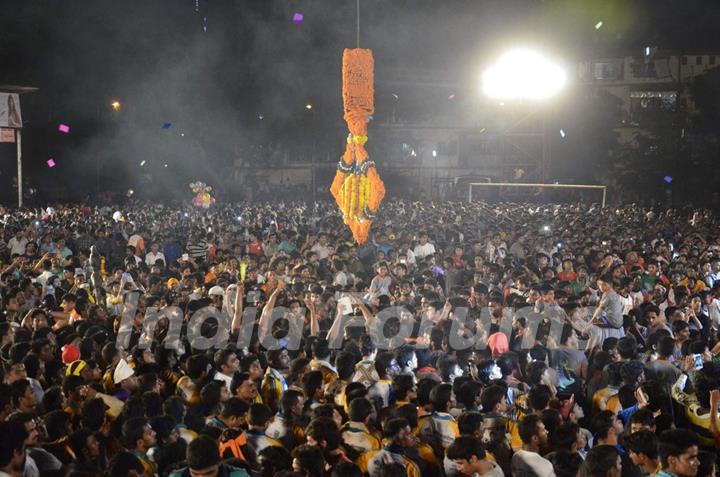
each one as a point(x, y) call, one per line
point(468, 453)
point(308, 460)
point(398, 431)
point(601, 461)
point(360, 410)
point(607, 426)
point(137, 434)
point(125, 464)
point(565, 463)
point(226, 361)
point(292, 403)
point(642, 419)
point(203, 457)
point(259, 416)
point(234, 412)
point(243, 387)
point(532, 431)
point(278, 358)
point(642, 447)
point(679, 449)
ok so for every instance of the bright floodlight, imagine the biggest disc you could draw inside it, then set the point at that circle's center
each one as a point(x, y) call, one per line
point(523, 74)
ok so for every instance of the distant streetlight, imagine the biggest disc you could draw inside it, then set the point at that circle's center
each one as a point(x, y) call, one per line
point(115, 105)
point(523, 74)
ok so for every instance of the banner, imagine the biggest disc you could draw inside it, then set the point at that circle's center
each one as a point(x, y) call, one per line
point(10, 110)
point(7, 135)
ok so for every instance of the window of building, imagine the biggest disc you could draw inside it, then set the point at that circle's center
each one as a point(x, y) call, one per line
point(606, 71)
point(683, 60)
point(698, 60)
point(712, 60)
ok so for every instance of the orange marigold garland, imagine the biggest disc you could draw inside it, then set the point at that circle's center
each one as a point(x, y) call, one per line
point(357, 187)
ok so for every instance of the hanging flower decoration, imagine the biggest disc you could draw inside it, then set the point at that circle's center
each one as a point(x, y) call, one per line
point(357, 187)
point(202, 197)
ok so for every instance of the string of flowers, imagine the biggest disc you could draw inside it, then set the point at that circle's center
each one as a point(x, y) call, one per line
point(357, 187)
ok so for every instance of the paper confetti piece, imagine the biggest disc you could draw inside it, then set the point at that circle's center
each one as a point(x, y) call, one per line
point(142, 163)
point(167, 125)
point(668, 179)
point(64, 128)
point(396, 96)
point(451, 97)
point(51, 163)
point(298, 18)
point(598, 25)
point(562, 133)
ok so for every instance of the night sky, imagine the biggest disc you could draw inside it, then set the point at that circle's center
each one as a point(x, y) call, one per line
point(214, 67)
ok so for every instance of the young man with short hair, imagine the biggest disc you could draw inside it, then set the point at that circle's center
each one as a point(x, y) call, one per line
point(643, 449)
point(138, 438)
point(203, 460)
point(678, 451)
point(470, 457)
point(226, 364)
point(528, 462)
point(401, 438)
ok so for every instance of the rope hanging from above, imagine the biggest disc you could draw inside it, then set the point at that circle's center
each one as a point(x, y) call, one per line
point(357, 187)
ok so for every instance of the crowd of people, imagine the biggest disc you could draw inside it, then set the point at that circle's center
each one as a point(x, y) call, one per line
point(627, 385)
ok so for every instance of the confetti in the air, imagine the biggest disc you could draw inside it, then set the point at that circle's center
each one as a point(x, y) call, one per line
point(130, 192)
point(562, 133)
point(298, 18)
point(167, 125)
point(451, 97)
point(142, 163)
point(51, 163)
point(396, 96)
point(598, 25)
point(64, 128)
point(668, 179)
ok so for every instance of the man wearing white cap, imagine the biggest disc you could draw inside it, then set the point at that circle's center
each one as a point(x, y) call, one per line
point(125, 380)
point(217, 294)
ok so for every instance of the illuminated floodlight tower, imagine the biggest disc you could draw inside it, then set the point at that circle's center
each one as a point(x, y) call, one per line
point(530, 78)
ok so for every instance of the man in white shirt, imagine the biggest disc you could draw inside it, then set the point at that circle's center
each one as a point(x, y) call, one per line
point(321, 248)
point(468, 454)
point(713, 309)
point(17, 244)
point(154, 254)
point(226, 364)
point(423, 248)
point(527, 462)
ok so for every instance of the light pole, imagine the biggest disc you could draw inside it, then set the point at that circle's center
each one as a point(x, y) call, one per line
point(18, 135)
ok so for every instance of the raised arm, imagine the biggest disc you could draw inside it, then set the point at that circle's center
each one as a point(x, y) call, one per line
point(238, 312)
point(314, 324)
point(268, 309)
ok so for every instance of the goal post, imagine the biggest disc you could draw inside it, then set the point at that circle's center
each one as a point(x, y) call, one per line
point(544, 186)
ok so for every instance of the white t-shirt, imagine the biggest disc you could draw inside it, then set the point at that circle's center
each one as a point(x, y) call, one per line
point(524, 460)
point(150, 258)
point(321, 250)
point(422, 251)
point(17, 247)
